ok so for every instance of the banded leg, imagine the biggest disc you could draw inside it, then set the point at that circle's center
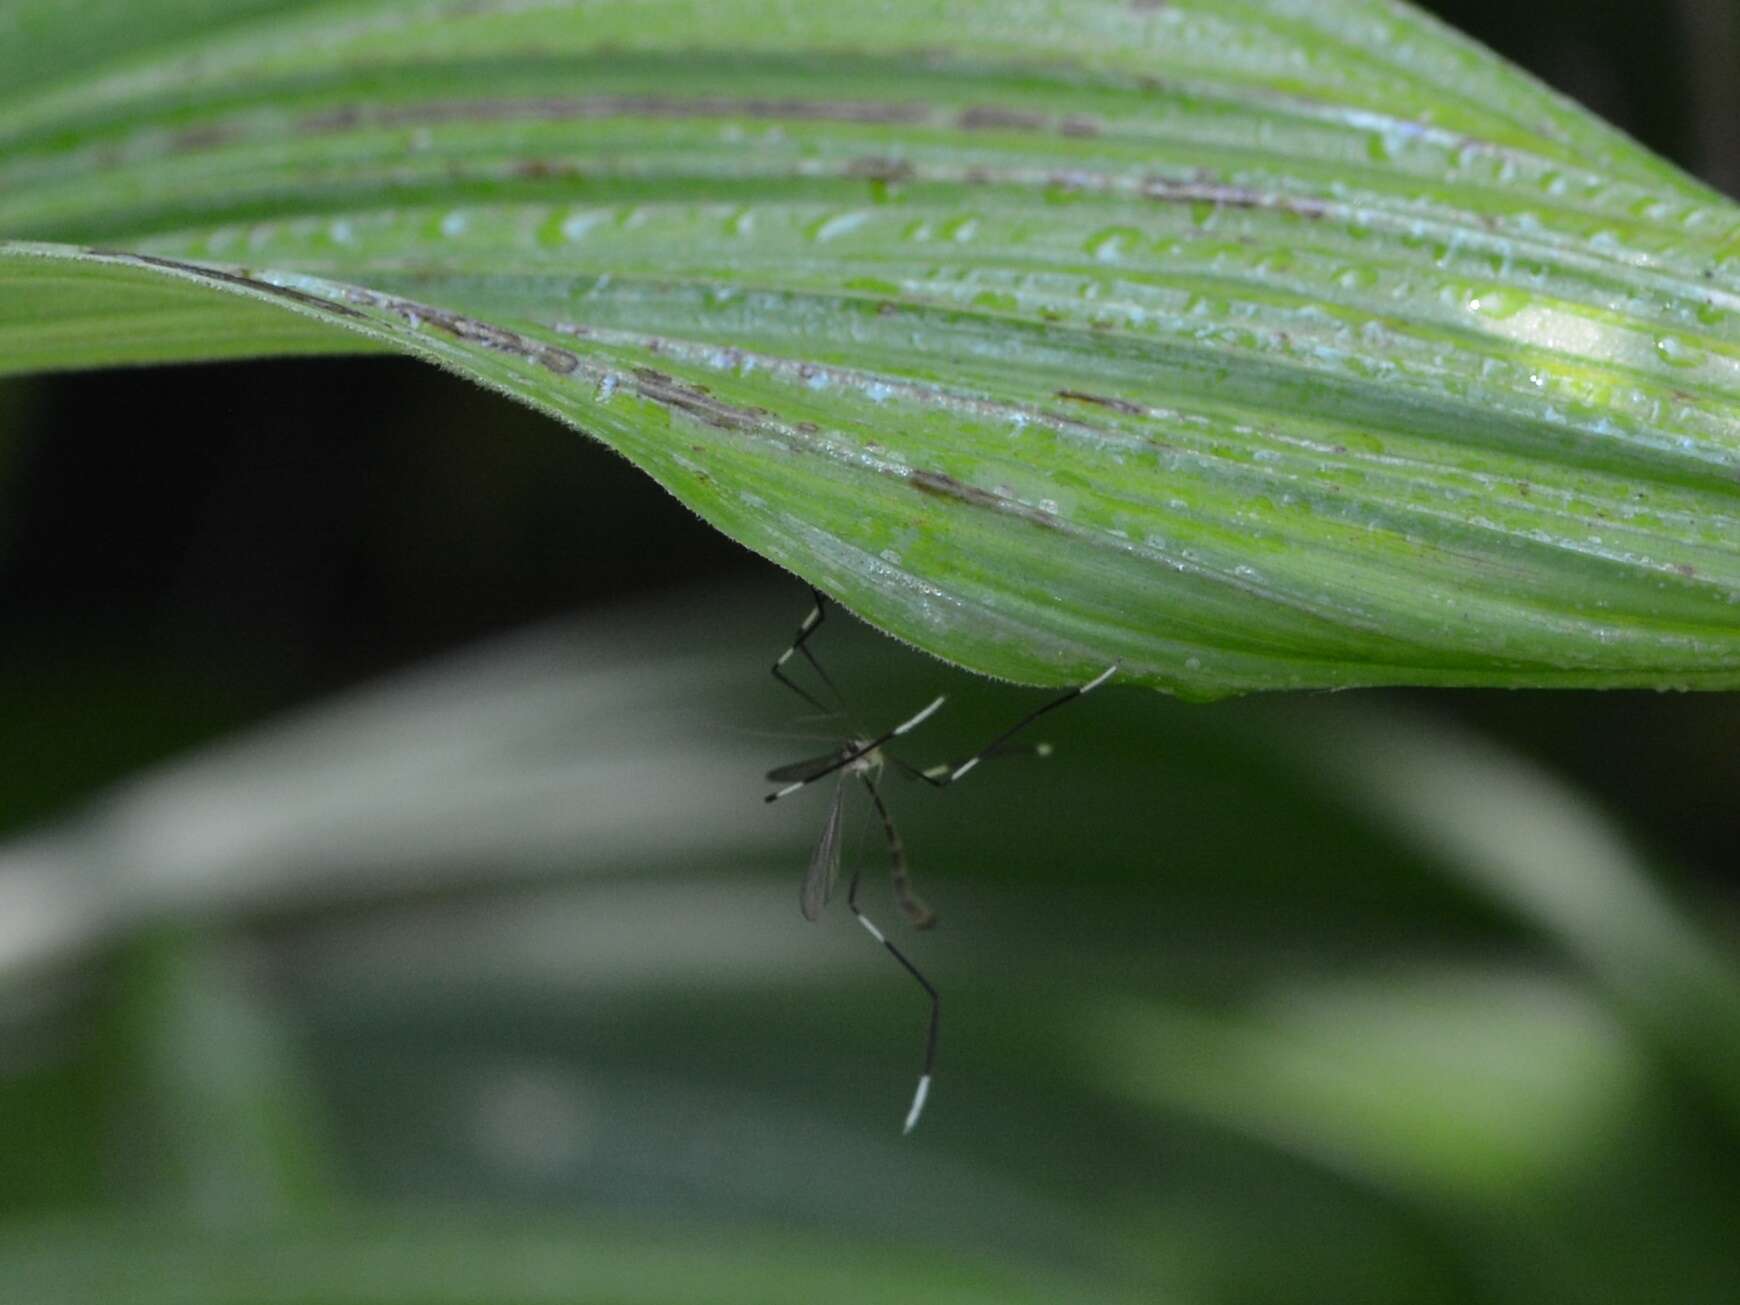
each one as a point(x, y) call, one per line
point(943, 776)
point(938, 776)
point(923, 1091)
point(811, 624)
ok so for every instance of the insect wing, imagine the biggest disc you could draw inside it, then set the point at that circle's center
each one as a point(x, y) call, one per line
point(824, 869)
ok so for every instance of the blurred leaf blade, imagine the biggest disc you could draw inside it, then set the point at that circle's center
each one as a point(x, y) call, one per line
point(558, 997)
point(1252, 345)
point(441, 1256)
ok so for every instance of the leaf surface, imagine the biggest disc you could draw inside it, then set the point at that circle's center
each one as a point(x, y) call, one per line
point(1249, 343)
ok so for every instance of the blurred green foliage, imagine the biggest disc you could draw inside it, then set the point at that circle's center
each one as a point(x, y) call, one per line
point(488, 984)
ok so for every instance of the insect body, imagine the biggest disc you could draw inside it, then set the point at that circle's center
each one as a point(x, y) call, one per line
point(863, 759)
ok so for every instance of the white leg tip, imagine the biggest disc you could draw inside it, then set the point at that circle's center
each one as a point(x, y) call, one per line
point(874, 931)
point(917, 1104)
point(920, 719)
point(964, 767)
point(1100, 679)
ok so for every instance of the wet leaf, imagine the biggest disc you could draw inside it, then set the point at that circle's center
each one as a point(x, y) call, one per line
point(1253, 345)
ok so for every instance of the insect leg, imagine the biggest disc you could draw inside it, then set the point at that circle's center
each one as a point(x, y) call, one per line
point(811, 624)
point(847, 757)
point(911, 906)
point(943, 776)
point(919, 1096)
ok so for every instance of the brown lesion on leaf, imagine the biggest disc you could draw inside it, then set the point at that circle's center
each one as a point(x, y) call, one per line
point(890, 171)
point(346, 117)
point(1172, 190)
point(558, 108)
point(469, 330)
point(991, 117)
point(543, 170)
point(694, 401)
point(239, 277)
point(997, 117)
point(1101, 401)
point(940, 485)
point(205, 136)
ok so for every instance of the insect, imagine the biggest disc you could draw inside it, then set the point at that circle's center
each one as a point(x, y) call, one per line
point(863, 758)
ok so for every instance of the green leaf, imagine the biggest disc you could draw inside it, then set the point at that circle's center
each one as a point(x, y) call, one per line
point(1250, 343)
point(446, 1256)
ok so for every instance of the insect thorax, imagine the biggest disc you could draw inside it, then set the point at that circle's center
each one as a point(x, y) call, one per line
point(870, 763)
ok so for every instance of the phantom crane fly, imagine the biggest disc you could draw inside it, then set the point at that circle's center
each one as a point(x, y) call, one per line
point(862, 758)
